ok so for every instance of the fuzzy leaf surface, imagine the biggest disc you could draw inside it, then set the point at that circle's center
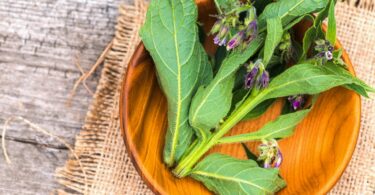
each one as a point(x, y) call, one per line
point(288, 10)
point(226, 175)
point(281, 127)
point(170, 34)
point(212, 103)
point(274, 34)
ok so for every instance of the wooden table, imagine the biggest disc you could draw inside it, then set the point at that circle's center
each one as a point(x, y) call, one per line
point(40, 41)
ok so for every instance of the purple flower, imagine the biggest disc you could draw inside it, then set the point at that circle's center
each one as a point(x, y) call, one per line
point(328, 55)
point(320, 54)
point(221, 38)
point(223, 31)
point(252, 29)
point(250, 77)
point(324, 50)
point(223, 42)
point(256, 76)
point(279, 159)
point(253, 26)
point(267, 164)
point(263, 80)
point(296, 101)
point(270, 154)
point(217, 40)
point(236, 40)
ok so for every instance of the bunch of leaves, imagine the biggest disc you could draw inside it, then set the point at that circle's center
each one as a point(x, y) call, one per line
point(203, 106)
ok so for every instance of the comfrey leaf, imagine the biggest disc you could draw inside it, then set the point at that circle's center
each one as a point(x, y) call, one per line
point(260, 5)
point(274, 35)
point(226, 175)
point(170, 34)
point(331, 30)
point(358, 85)
point(220, 54)
point(308, 39)
point(288, 10)
point(282, 127)
point(307, 79)
point(299, 79)
point(204, 111)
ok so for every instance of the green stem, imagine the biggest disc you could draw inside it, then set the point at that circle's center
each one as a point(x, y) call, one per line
point(218, 7)
point(236, 139)
point(186, 164)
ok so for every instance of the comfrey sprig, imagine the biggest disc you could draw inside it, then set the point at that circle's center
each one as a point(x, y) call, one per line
point(270, 154)
point(256, 76)
point(324, 51)
point(245, 30)
point(195, 121)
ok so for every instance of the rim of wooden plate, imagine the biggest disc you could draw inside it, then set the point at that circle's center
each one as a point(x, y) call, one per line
point(139, 52)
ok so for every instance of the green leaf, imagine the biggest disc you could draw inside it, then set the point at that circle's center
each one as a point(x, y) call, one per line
point(289, 10)
point(204, 111)
point(170, 34)
point(307, 79)
point(331, 30)
point(299, 19)
point(259, 110)
point(274, 35)
point(282, 127)
point(260, 5)
point(322, 15)
point(220, 54)
point(226, 175)
point(308, 39)
point(358, 85)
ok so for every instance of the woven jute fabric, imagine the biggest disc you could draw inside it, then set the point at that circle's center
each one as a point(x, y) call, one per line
point(100, 148)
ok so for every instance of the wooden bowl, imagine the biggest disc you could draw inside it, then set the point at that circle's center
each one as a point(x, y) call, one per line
point(314, 157)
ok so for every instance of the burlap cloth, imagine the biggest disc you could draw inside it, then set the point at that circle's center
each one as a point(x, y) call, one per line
point(100, 147)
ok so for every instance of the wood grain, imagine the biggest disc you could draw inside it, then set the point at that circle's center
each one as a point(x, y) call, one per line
point(39, 43)
point(314, 157)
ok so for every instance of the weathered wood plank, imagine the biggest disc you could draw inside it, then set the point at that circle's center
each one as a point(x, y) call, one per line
point(32, 168)
point(39, 42)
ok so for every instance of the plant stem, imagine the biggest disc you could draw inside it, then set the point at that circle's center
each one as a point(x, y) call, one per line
point(218, 7)
point(236, 139)
point(186, 164)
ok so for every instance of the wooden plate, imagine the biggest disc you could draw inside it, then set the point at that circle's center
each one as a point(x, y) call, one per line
point(314, 157)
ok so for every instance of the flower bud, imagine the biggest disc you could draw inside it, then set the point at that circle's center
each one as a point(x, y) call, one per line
point(223, 31)
point(296, 101)
point(216, 27)
point(270, 154)
point(263, 80)
point(251, 75)
point(328, 55)
point(236, 40)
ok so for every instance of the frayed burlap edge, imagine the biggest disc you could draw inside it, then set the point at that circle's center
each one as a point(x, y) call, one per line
point(102, 118)
point(364, 4)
